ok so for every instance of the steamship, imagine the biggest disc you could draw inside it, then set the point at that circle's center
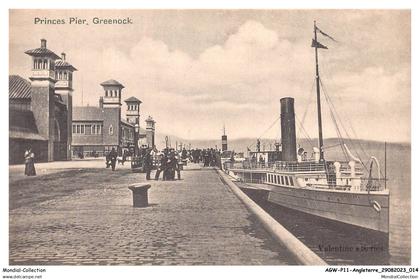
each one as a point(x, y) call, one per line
point(343, 191)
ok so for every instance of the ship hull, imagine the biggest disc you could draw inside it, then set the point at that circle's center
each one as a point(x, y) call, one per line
point(358, 208)
point(353, 208)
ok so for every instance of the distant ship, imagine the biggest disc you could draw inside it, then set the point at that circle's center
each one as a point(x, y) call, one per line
point(337, 190)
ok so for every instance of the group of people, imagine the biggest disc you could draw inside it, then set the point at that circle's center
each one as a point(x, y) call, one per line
point(209, 157)
point(169, 161)
point(169, 164)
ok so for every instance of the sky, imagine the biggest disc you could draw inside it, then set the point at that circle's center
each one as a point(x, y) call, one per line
point(197, 70)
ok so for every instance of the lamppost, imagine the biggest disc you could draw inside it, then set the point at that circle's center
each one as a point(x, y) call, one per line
point(136, 139)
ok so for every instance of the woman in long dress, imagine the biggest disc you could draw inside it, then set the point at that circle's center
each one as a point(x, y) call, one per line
point(29, 162)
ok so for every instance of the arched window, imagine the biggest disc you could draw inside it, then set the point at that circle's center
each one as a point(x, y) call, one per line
point(111, 130)
point(45, 64)
point(65, 76)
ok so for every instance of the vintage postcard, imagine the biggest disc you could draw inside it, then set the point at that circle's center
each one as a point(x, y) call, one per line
point(270, 137)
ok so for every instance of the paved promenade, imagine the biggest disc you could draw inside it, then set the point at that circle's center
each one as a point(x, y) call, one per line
point(84, 216)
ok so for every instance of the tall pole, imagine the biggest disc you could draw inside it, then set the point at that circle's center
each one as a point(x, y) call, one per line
point(318, 99)
point(385, 164)
point(136, 139)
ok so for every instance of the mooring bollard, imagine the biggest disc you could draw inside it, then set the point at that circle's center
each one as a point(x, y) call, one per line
point(140, 195)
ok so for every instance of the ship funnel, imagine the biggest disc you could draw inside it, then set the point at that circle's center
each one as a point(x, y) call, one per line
point(288, 129)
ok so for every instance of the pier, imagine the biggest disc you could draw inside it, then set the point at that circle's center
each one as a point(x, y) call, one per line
point(81, 214)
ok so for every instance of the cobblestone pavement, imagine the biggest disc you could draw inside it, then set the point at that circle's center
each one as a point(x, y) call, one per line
point(85, 217)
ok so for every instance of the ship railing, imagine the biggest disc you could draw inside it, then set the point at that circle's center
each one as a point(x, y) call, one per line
point(279, 166)
point(305, 166)
point(245, 165)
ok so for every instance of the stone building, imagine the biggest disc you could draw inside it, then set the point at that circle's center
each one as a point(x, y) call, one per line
point(40, 109)
point(96, 130)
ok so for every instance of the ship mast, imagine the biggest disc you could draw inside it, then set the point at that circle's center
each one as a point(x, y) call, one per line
point(318, 99)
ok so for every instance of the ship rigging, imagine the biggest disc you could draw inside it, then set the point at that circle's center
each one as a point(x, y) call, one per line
point(332, 189)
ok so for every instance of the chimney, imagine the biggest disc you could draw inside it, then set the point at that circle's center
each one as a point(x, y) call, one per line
point(63, 56)
point(224, 143)
point(101, 102)
point(288, 129)
point(43, 43)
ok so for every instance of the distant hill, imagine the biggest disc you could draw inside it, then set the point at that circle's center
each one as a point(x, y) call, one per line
point(332, 145)
point(398, 159)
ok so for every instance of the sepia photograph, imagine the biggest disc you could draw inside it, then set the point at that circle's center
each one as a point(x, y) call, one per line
point(210, 137)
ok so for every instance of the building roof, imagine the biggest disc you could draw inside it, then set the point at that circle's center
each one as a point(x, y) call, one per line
point(133, 99)
point(112, 82)
point(64, 65)
point(22, 125)
point(127, 123)
point(42, 51)
point(142, 131)
point(19, 88)
point(88, 114)
point(24, 135)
